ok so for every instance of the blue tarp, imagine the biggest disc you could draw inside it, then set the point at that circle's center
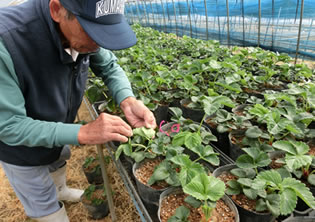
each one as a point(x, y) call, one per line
point(279, 23)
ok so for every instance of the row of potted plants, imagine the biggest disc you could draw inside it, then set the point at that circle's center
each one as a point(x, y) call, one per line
point(183, 160)
point(94, 196)
point(252, 100)
point(174, 160)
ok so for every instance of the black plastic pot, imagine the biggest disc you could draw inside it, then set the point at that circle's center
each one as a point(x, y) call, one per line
point(148, 194)
point(176, 190)
point(93, 177)
point(309, 212)
point(235, 150)
point(299, 219)
point(223, 138)
point(161, 113)
point(97, 211)
point(245, 215)
point(193, 114)
point(175, 103)
point(311, 125)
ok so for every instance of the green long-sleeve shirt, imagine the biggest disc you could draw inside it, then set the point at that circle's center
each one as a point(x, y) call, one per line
point(16, 128)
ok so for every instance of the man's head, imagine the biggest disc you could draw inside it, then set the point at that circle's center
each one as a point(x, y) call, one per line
point(88, 24)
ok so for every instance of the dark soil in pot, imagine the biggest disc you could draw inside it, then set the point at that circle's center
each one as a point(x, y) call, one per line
point(311, 144)
point(252, 92)
point(245, 206)
point(173, 198)
point(274, 156)
point(240, 110)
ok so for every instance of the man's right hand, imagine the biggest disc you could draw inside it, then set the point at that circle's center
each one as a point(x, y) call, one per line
point(104, 129)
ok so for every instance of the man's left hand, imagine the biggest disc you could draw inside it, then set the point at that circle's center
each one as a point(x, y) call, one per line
point(137, 113)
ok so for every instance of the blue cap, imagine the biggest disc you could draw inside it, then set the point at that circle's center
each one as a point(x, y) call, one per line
point(103, 21)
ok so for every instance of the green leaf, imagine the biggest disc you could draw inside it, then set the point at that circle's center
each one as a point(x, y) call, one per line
point(259, 110)
point(261, 205)
point(273, 204)
point(252, 152)
point(118, 152)
point(181, 215)
point(138, 156)
point(181, 160)
point(263, 160)
point(161, 172)
point(253, 159)
point(126, 148)
point(283, 172)
point(270, 177)
point(253, 132)
point(206, 153)
point(180, 138)
point(243, 173)
point(301, 147)
point(245, 182)
point(212, 159)
point(250, 193)
point(234, 188)
point(193, 201)
point(192, 140)
point(245, 161)
point(204, 187)
point(285, 146)
point(288, 200)
point(189, 169)
point(148, 133)
point(311, 179)
point(262, 193)
point(301, 190)
point(297, 161)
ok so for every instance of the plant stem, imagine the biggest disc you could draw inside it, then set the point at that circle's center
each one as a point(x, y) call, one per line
point(256, 171)
point(137, 144)
point(203, 118)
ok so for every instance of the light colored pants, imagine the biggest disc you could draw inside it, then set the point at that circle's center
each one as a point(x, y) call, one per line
point(34, 186)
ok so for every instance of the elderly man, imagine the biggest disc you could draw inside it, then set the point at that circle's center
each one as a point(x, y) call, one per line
point(46, 49)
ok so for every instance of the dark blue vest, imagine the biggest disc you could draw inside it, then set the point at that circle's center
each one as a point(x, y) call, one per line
point(52, 84)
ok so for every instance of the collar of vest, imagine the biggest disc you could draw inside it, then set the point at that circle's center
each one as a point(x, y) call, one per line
point(42, 7)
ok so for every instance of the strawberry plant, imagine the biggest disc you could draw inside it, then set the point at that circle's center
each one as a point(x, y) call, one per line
point(297, 160)
point(273, 193)
point(89, 194)
point(207, 190)
point(139, 146)
point(280, 194)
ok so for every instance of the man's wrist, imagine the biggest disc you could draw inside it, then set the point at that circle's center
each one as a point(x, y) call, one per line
point(127, 102)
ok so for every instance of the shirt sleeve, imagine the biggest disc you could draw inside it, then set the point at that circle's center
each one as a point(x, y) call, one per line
point(104, 64)
point(16, 128)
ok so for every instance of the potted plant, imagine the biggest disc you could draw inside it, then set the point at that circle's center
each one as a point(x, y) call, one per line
point(197, 199)
point(269, 191)
point(298, 162)
point(149, 149)
point(92, 169)
point(95, 201)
